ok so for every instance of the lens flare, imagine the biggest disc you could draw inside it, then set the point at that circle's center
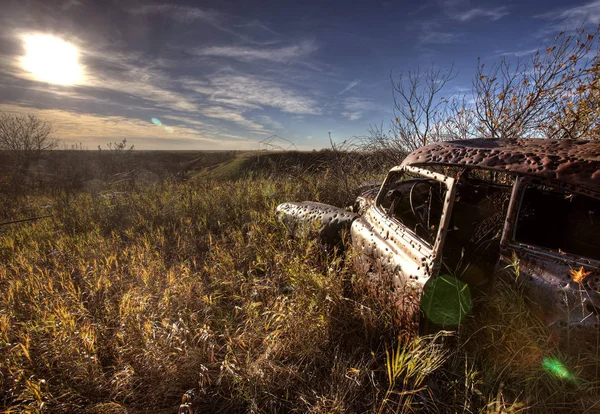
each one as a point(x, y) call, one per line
point(557, 368)
point(50, 59)
point(446, 300)
point(156, 121)
point(169, 129)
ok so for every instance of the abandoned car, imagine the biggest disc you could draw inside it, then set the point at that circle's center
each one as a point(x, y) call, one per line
point(473, 209)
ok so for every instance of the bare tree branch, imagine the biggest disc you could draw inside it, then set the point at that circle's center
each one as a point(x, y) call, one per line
point(26, 135)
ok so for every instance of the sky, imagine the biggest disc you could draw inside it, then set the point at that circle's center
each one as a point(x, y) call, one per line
point(203, 75)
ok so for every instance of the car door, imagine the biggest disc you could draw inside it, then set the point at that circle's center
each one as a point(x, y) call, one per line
point(399, 238)
point(550, 245)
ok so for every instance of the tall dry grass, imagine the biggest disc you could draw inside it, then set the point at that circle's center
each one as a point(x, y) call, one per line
point(126, 301)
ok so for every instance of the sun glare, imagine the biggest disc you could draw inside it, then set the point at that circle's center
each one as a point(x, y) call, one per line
point(50, 59)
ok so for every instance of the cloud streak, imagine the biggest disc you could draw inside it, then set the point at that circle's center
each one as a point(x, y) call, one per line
point(249, 54)
point(92, 129)
point(518, 53)
point(575, 16)
point(463, 11)
point(492, 14)
point(227, 114)
point(355, 108)
point(440, 38)
point(348, 87)
point(219, 21)
point(252, 91)
point(127, 74)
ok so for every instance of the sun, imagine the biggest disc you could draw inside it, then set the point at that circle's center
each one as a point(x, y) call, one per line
point(50, 59)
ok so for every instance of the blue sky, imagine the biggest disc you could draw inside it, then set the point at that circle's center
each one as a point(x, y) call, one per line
point(228, 74)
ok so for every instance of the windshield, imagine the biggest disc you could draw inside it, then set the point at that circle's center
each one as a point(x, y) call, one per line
point(414, 201)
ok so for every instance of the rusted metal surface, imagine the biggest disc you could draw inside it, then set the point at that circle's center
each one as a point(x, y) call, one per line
point(327, 221)
point(395, 270)
point(398, 262)
point(365, 199)
point(568, 309)
point(573, 162)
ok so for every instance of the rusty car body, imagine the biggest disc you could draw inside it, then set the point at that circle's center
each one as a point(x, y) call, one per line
point(474, 208)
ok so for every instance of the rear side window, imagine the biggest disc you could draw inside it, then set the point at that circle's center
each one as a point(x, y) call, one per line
point(561, 221)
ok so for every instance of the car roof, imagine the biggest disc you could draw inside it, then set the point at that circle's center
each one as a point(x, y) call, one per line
point(575, 162)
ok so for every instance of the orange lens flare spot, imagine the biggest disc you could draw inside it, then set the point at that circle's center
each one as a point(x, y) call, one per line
point(579, 275)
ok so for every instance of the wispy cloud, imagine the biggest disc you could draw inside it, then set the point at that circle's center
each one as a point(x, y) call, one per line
point(207, 88)
point(355, 108)
point(435, 31)
point(267, 120)
point(352, 116)
point(183, 14)
point(463, 10)
point(517, 53)
point(217, 20)
point(182, 120)
point(348, 87)
point(492, 14)
point(92, 128)
point(230, 115)
point(576, 15)
point(281, 54)
point(442, 38)
point(206, 128)
point(133, 75)
point(255, 24)
point(249, 91)
point(67, 4)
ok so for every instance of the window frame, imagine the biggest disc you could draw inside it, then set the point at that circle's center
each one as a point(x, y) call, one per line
point(433, 252)
point(512, 218)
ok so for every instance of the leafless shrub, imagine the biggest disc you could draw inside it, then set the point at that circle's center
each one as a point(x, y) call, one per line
point(418, 108)
point(26, 136)
point(117, 163)
point(422, 115)
point(23, 138)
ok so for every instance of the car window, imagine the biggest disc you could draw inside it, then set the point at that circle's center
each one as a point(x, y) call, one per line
point(477, 220)
point(559, 220)
point(415, 202)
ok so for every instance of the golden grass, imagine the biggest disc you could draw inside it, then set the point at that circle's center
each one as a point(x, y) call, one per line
point(126, 301)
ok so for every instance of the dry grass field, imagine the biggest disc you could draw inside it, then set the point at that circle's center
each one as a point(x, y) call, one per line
point(189, 295)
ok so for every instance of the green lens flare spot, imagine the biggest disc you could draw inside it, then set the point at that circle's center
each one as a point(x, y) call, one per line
point(557, 368)
point(446, 300)
point(156, 121)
